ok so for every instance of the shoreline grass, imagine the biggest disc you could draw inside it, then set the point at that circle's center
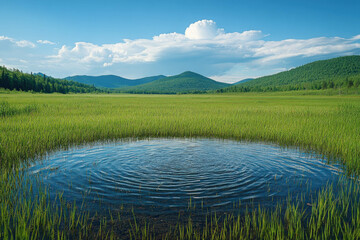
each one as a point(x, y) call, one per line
point(25, 215)
point(328, 125)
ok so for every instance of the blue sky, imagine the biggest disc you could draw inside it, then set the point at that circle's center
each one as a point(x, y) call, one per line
point(225, 40)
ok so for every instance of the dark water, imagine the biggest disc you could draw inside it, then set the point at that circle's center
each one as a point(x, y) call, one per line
point(160, 176)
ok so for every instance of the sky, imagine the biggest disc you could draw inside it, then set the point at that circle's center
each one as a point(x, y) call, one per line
point(224, 40)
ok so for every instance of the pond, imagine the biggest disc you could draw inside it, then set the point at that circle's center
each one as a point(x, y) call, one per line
point(156, 177)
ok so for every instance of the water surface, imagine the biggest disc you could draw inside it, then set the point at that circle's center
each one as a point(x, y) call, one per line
point(160, 176)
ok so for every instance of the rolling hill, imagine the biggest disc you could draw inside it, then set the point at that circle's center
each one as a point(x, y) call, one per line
point(331, 73)
point(111, 81)
point(186, 82)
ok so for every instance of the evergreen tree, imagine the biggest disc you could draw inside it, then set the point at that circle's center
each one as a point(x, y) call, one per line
point(2, 79)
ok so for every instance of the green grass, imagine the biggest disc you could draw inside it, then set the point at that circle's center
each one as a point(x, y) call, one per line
point(328, 125)
point(327, 217)
point(7, 110)
point(26, 214)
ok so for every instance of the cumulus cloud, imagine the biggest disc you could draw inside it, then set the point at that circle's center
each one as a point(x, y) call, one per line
point(83, 52)
point(204, 29)
point(45, 42)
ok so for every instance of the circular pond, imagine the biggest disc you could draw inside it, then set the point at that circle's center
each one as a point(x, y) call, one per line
point(162, 176)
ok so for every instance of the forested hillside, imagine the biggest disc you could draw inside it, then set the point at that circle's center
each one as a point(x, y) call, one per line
point(341, 72)
point(186, 82)
point(14, 79)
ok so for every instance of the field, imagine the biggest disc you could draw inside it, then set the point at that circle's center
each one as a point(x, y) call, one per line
point(33, 125)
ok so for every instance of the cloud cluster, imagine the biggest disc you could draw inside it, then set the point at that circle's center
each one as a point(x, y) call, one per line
point(21, 43)
point(204, 38)
point(274, 50)
point(203, 47)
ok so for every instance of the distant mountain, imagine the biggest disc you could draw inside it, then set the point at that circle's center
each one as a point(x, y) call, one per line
point(186, 82)
point(243, 81)
point(111, 81)
point(332, 73)
point(39, 74)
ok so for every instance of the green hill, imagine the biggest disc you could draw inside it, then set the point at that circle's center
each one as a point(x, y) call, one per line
point(243, 81)
point(111, 81)
point(16, 80)
point(186, 82)
point(333, 73)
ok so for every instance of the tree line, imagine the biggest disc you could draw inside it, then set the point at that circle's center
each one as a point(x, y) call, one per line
point(336, 83)
point(14, 79)
point(341, 72)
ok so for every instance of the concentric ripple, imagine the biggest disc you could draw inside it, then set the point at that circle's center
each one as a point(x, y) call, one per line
point(165, 174)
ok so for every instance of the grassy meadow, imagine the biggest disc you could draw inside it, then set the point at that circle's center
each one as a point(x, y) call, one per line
point(33, 125)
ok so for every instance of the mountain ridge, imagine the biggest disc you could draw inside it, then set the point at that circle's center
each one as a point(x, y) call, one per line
point(186, 82)
point(111, 81)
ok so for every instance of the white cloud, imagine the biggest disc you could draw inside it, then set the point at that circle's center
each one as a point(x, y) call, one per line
point(2, 38)
point(275, 50)
point(83, 52)
point(25, 43)
point(45, 42)
point(21, 43)
point(204, 29)
point(357, 37)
